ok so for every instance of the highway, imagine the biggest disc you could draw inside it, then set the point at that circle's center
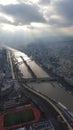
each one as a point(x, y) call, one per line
point(16, 86)
point(45, 104)
point(12, 72)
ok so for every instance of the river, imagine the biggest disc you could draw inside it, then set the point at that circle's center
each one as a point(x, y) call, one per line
point(52, 89)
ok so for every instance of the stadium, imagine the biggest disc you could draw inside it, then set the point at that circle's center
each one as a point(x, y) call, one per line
point(19, 117)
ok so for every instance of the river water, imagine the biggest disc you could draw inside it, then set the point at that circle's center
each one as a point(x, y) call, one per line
point(56, 91)
point(51, 89)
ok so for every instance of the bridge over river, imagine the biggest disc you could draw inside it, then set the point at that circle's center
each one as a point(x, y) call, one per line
point(29, 80)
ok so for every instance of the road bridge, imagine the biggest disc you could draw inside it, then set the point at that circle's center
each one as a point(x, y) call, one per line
point(29, 80)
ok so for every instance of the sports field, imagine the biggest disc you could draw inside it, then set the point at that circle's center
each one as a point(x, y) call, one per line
point(19, 117)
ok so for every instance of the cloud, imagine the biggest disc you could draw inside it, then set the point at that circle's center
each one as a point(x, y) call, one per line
point(23, 13)
point(39, 17)
point(44, 2)
point(59, 13)
point(64, 8)
point(4, 20)
point(26, 12)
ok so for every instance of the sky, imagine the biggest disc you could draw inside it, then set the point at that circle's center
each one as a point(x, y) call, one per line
point(22, 21)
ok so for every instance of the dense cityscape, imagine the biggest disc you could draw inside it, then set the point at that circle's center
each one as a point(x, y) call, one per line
point(23, 107)
point(36, 64)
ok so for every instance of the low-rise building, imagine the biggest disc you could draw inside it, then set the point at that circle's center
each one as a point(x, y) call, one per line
point(43, 125)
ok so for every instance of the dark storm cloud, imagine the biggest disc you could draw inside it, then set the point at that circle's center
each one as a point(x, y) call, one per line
point(23, 13)
point(64, 8)
point(44, 2)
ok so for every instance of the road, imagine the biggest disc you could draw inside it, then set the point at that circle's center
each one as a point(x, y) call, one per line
point(44, 103)
point(12, 72)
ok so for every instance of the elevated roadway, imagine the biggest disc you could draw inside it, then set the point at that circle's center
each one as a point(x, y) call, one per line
point(12, 72)
point(49, 102)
